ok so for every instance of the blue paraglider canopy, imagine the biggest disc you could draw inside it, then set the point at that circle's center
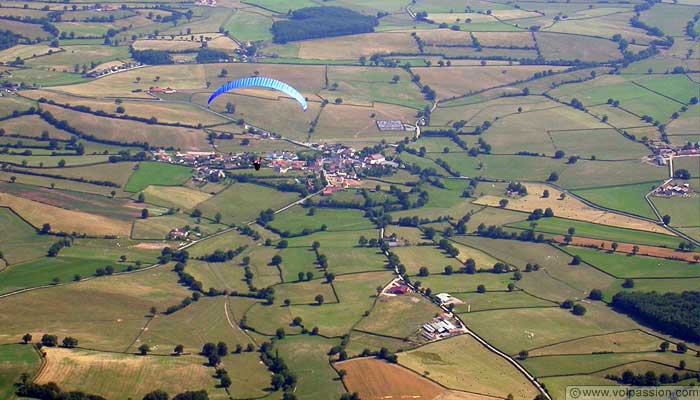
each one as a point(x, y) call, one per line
point(261, 82)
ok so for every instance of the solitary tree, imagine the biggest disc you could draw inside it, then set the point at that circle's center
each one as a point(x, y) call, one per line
point(144, 349)
point(225, 381)
point(319, 299)
point(27, 338)
point(578, 309)
point(666, 219)
point(664, 346)
point(179, 349)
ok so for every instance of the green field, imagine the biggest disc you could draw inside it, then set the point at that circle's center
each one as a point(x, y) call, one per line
point(16, 359)
point(627, 266)
point(629, 198)
point(157, 174)
point(19, 241)
point(296, 219)
point(243, 202)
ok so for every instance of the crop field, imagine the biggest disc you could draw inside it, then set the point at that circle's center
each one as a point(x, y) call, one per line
point(172, 196)
point(61, 219)
point(422, 118)
point(72, 369)
point(373, 379)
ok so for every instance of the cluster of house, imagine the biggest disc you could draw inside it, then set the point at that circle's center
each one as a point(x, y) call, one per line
point(105, 7)
point(9, 88)
point(442, 327)
point(338, 164)
point(183, 234)
point(167, 90)
point(672, 188)
point(210, 3)
point(664, 151)
point(114, 68)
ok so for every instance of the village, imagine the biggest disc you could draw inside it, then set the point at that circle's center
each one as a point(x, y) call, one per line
point(337, 163)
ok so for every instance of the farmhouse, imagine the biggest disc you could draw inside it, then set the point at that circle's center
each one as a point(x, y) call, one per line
point(444, 298)
point(390, 125)
point(672, 188)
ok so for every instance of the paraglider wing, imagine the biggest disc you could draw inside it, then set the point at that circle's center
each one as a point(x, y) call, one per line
point(261, 82)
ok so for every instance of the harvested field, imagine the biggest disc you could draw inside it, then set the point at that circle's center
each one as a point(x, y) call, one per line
point(517, 39)
point(23, 51)
point(456, 81)
point(110, 374)
point(628, 248)
point(349, 47)
point(32, 125)
point(119, 130)
point(554, 46)
point(375, 379)
point(64, 220)
point(166, 45)
point(174, 196)
point(570, 208)
point(445, 37)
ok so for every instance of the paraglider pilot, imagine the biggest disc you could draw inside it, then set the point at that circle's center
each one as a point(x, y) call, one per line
point(257, 163)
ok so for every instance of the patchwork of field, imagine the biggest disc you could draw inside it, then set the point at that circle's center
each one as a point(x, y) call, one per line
point(286, 273)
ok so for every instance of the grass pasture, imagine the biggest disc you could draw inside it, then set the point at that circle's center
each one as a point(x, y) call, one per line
point(18, 240)
point(243, 202)
point(464, 364)
point(152, 173)
point(618, 342)
point(628, 198)
point(399, 317)
point(458, 81)
point(306, 355)
point(297, 219)
point(627, 266)
point(560, 226)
